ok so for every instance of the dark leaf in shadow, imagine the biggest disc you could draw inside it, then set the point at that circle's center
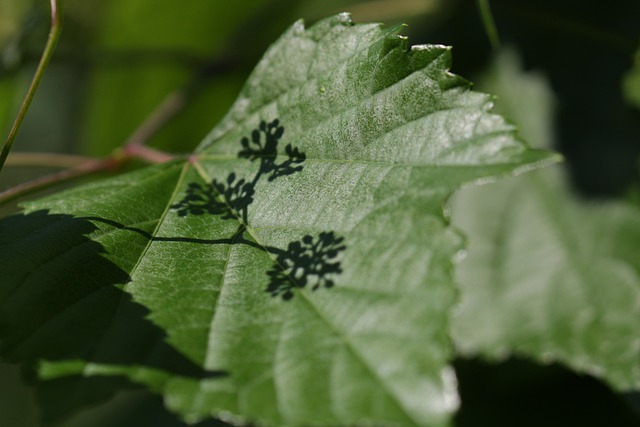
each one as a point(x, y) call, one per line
point(59, 301)
point(135, 409)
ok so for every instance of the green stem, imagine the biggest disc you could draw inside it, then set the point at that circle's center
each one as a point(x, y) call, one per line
point(54, 35)
point(489, 23)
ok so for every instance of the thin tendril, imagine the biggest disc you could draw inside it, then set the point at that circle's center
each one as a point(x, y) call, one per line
point(489, 24)
point(54, 35)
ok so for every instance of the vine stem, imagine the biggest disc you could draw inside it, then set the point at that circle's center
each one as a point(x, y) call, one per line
point(53, 160)
point(79, 166)
point(88, 167)
point(489, 24)
point(135, 144)
point(171, 105)
point(52, 40)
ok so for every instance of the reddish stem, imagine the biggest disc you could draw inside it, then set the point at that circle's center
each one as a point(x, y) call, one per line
point(87, 168)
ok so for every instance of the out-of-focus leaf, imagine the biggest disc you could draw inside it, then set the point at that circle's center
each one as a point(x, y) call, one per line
point(548, 275)
point(631, 83)
point(12, 15)
point(524, 98)
point(9, 102)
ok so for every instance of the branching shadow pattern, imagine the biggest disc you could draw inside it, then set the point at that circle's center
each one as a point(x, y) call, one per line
point(310, 261)
point(229, 199)
point(306, 262)
point(264, 148)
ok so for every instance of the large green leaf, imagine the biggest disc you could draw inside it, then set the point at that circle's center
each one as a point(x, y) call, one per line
point(299, 261)
point(548, 275)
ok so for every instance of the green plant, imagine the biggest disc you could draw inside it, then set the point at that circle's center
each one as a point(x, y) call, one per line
point(297, 267)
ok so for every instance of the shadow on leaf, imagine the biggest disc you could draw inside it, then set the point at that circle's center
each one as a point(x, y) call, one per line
point(231, 198)
point(309, 261)
point(263, 147)
point(59, 301)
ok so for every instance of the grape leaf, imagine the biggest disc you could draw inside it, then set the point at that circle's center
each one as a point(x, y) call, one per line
point(547, 275)
point(299, 261)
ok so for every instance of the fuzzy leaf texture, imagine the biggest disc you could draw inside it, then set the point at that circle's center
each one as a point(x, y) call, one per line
point(297, 268)
point(548, 275)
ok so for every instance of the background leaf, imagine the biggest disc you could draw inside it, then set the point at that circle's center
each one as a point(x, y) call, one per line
point(269, 256)
point(631, 83)
point(548, 275)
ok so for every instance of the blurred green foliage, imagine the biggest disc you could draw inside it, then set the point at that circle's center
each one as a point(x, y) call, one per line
point(631, 83)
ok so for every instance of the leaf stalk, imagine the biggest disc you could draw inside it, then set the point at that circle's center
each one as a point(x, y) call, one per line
point(89, 167)
point(46, 160)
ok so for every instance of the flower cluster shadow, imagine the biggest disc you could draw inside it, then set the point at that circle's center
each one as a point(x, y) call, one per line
point(310, 261)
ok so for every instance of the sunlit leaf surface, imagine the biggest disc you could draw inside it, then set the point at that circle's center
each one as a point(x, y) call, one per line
point(295, 269)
